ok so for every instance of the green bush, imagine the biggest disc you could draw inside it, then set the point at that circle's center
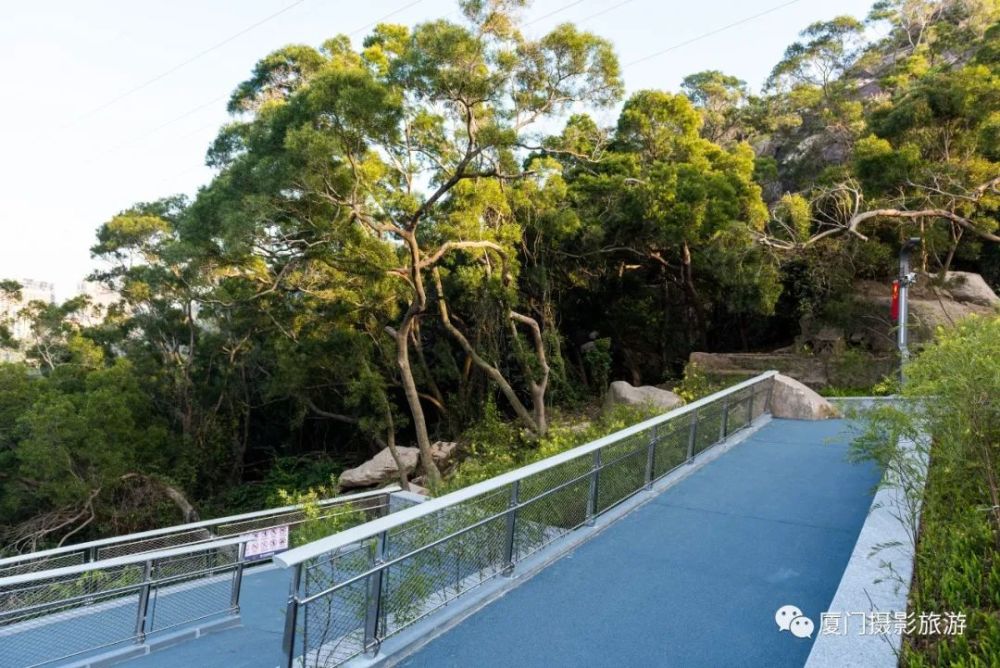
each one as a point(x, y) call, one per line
point(951, 395)
point(495, 447)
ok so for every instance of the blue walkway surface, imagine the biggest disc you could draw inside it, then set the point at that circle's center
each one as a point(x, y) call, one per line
point(694, 577)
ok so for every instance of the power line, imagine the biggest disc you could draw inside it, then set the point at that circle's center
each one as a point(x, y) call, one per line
point(604, 11)
point(383, 18)
point(716, 31)
point(553, 12)
point(188, 61)
point(207, 104)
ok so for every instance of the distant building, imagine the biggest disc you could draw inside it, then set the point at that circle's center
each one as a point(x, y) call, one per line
point(100, 297)
point(10, 309)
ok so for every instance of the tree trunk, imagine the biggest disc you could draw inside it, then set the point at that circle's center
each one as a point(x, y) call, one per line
point(539, 386)
point(413, 396)
point(695, 302)
point(491, 371)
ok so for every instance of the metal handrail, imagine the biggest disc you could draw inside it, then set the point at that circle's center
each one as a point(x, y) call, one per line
point(115, 562)
point(381, 525)
point(90, 548)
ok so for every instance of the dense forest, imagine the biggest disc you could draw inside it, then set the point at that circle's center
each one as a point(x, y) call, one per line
point(407, 240)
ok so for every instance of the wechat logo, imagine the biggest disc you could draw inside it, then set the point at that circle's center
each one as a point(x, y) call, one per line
point(789, 618)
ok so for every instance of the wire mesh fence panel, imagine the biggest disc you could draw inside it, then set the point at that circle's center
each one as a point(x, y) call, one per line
point(192, 587)
point(709, 428)
point(71, 612)
point(44, 564)
point(63, 632)
point(671, 448)
point(332, 625)
point(739, 412)
point(623, 470)
point(155, 543)
point(552, 503)
point(337, 513)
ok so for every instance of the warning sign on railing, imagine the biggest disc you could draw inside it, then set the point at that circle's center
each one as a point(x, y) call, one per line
point(266, 542)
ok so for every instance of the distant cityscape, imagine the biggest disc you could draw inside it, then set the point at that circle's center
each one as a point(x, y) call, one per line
point(33, 290)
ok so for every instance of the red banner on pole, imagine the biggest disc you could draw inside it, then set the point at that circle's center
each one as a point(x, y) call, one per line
point(895, 301)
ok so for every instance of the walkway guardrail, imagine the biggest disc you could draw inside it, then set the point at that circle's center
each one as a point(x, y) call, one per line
point(371, 504)
point(355, 588)
point(61, 614)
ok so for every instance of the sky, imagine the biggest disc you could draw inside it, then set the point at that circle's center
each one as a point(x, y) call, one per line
point(111, 102)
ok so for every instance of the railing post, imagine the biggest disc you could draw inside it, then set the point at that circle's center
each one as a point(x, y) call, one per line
point(595, 472)
point(692, 434)
point(651, 457)
point(750, 407)
point(509, 538)
point(143, 608)
point(375, 595)
point(291, 616)
point(724, 425)
point(91, 554)
point(767, 399)
point(234, 599)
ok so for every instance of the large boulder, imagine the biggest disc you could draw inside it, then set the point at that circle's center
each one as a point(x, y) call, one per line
point(621, 392)
point(382, 469)
point(792, 400)
point(970, 288)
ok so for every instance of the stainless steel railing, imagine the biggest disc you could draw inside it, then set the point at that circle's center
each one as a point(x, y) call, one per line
point(355, 588)
point(373, 504)
point(57, 615)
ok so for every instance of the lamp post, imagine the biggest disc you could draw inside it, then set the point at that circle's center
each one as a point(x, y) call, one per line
point(906, 279)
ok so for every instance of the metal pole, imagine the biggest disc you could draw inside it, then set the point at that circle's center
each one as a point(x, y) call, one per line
point(375, 595)
point(724, 425)
point(508, 556)
point(906, 278)
point(750, 403)
point(692, 434)
point(651, 457)
point(143, 609)
point(592, 495)
point(291, 617)
point(234, 599)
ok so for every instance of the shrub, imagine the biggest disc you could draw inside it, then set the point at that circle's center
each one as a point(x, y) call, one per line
point(951, 397)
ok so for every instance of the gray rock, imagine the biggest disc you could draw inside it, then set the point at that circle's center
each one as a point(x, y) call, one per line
point(443, 451)
point(965, 286)
point(792, 400)
point(621, 392)
point(380, 469)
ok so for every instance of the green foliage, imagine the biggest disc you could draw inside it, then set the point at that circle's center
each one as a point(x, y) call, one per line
point(950, 395)
point(318, 521)
point(697, 383)
point(597, 358)
point(495, 446)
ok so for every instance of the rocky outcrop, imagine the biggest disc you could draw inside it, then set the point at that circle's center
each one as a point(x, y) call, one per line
point(970, 288)
point(792, 400)
point(381, 469)
point(622, 393)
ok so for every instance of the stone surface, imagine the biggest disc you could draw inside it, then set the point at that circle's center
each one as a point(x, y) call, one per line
point(970, 288)
point(443, 451)
point(621, 392)
point(380, 469)
point(792, 400)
